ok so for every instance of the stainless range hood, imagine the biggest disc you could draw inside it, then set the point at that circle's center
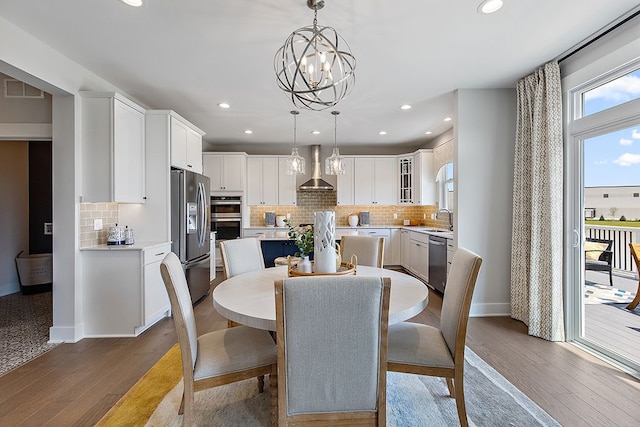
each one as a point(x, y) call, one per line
point(316, 182)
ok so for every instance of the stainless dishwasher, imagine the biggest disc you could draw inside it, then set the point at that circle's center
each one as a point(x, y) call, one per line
point(437, 262)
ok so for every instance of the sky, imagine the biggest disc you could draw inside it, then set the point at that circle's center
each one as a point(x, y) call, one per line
point(614, 158)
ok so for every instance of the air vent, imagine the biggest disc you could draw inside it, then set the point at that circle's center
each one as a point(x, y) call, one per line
point(17, 89)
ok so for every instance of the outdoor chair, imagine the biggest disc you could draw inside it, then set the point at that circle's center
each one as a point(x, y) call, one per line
point(598, 256)
point(332, 350)
point(635, 253)
point(425, 350)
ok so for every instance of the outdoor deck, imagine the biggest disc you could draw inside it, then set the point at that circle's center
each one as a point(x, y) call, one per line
point(612, 325)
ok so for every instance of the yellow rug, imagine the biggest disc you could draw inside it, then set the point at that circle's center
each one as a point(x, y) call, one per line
point(137, 405)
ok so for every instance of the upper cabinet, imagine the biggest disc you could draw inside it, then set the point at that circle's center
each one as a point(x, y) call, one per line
point(186, 145)
point(226, 171)
point(113, 148)
point(262, 181)
point(424, 178)
point(345, 183)
point(375, 181)
point(287, 188)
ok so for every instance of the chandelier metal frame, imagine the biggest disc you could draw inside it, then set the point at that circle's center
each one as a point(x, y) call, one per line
point(315, 65)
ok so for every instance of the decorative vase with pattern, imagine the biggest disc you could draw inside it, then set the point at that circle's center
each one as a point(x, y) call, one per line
point(324, 242)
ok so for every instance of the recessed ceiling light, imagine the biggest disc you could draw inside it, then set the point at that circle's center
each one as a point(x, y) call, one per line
point(447, 119)
point(134, 3)
point(490, 6)
point(315, 132)
point(224, 105)
point(382, 132)
point(248, 131)
point(428, 132)
point(405, 107)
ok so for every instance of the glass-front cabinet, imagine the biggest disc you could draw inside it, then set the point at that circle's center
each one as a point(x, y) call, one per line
point(406, 180)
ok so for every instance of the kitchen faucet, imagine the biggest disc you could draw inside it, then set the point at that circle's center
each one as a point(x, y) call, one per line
point(449, 213)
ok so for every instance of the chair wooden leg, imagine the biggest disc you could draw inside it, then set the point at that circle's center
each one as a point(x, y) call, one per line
point(273, 398)
point(459, 395)
point(633, 304)
point(452, 391)
point(261, 383)
point(181, 408)
point(610, 278)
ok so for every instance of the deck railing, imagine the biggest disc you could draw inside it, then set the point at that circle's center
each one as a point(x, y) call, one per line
point(621, 236)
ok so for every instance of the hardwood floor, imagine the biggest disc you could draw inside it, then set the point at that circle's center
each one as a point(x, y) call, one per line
point(75, 384)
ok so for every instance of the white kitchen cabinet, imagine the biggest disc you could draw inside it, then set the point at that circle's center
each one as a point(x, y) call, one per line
point(375, 181)
point(345, 184)
point(124, 293)
point(395, 242)
point(262, 181)
point(424, 192)
point(405, 248)
point(419, 255)
point(226, 171)
point(450, 251)
point(287, 187)
point(113, 148)
point(186, 145)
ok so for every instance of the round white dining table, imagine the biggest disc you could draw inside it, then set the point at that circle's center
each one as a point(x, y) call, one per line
point(249, 298)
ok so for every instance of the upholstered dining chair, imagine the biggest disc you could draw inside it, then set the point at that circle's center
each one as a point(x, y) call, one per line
point(240, 256)
point(332, 350)
point(369, 250)
point(635, 253)
point(426, 350)
point(215, 358)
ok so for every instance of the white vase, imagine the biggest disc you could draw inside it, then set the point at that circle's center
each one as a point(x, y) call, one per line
point(324, 242)
point(304, 265)
point(353, 220)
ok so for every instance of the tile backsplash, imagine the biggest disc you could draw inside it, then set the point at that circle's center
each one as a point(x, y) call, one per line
point(108, 212)
point(310, 202)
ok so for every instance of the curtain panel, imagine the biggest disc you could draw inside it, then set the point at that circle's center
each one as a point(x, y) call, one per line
point(536, 248)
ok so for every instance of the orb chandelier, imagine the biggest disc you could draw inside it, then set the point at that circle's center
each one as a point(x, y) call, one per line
point(315, 65)
point(334, 165)
point(295, 162)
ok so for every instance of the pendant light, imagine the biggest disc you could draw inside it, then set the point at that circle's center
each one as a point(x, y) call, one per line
point(295, 162)
point(315, 66)
point(334, 165)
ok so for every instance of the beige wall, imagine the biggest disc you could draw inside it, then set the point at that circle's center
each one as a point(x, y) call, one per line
point(14, 210)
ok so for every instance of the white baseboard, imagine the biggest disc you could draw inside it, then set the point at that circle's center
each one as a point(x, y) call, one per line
point(9, 288)
point(490, 310)
point(67, 334)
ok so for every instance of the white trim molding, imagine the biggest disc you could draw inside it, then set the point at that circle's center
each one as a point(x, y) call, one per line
point(25, 131)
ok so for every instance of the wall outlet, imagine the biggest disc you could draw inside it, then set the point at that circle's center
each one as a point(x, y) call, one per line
point(97, 224)
point(424, 216)
point(395, 216)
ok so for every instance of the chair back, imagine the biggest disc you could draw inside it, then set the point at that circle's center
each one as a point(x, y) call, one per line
point(368, 249)
point(456, 302)
point(183, 316)
point(241, 256)
point(332, 346)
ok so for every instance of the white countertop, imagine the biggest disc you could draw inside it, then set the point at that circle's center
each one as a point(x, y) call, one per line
point(281, 233)
point(137, 246)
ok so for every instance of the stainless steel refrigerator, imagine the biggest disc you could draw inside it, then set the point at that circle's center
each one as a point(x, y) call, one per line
point(190, 224)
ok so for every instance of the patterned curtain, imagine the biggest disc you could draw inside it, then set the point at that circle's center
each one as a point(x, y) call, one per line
point(536, 247)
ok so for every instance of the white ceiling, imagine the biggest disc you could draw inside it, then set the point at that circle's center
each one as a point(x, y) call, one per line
point(189, 55)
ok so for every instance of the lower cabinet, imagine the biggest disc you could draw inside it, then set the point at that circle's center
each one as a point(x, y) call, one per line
point(418, 255)
point(272, 249)
point(123, 290)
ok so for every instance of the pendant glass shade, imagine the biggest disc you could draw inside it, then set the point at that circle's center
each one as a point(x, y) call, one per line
point(295, 162)
point(315, 66)
point(334, 165)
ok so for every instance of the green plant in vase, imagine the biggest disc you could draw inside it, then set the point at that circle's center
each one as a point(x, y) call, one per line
point(302, 237)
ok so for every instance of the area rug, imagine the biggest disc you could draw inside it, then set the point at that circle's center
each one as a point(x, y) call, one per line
point(24, 328)
point(596, 293)
point(411, 401)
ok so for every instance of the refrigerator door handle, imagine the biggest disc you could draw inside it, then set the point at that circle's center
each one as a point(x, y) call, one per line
point(202, 213)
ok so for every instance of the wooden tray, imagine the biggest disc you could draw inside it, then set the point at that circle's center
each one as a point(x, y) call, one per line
point(346, 268)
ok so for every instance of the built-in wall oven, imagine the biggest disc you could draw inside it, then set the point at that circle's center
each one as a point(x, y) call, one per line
point(226, 217)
